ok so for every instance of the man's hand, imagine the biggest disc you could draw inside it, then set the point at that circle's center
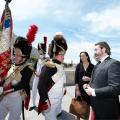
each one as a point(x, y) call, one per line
point(90, 91)
point(85, 78)
point(85, 86)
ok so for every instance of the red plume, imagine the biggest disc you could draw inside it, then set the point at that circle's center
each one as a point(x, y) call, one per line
point(45, 40)
point(31, 33)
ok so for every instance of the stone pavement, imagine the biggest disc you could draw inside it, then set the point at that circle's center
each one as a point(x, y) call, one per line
point(66, 116)
point(32, 115)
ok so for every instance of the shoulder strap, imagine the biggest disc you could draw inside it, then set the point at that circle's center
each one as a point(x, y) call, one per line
point(50, 64)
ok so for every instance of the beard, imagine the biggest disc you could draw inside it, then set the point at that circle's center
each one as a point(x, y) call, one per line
point(96, 57)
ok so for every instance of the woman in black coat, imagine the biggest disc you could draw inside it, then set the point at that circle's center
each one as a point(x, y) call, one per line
point(82, 76)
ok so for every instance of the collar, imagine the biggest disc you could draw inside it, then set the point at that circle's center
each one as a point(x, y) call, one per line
point(104, 58)
point(56, 61)
point(21, 63)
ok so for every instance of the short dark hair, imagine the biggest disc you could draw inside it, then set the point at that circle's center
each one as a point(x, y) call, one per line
point(104, 45)
point(86, 55)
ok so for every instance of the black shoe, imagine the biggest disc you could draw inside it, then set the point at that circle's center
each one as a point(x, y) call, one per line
point(32, 108)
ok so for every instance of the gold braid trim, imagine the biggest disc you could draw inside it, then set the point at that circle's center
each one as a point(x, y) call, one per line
point(14, 73)
point(50, 64)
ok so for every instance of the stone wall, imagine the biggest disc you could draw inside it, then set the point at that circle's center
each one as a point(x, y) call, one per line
point(70, 76)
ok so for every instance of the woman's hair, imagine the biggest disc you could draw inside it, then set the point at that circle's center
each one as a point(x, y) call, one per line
point(88, 58)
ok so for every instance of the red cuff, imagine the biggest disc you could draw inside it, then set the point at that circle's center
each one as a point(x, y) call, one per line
point(27, 101)
point(7, 89)
point(42, 106)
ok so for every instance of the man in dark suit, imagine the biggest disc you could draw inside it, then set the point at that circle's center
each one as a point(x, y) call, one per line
point(104, 87)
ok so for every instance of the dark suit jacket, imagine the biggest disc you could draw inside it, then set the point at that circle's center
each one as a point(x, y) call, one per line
point(106, 81)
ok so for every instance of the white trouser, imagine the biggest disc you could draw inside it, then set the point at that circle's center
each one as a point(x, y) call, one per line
point(55, 96)
point(11, 104)
point(55, 108)
point(34, 90)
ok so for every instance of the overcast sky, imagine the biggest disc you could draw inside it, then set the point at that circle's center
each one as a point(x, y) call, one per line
point(82, 22)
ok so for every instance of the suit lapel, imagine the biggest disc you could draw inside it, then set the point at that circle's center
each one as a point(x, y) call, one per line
point(97, 69)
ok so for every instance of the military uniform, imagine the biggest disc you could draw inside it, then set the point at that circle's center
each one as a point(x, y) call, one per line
point(18, 87)
point(15, 87)
point(51, 81)
point(38, 66)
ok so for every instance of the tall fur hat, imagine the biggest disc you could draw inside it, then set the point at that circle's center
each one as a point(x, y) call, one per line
point(25, 44)
point(42, 46)
point(58, 45)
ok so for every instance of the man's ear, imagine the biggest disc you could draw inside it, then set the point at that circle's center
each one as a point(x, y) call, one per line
point(104, 50)
point(24, 58)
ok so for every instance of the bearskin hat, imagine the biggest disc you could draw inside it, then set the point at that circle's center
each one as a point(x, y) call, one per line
point(23, 45)
point(57, 46)
point(42, 46)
